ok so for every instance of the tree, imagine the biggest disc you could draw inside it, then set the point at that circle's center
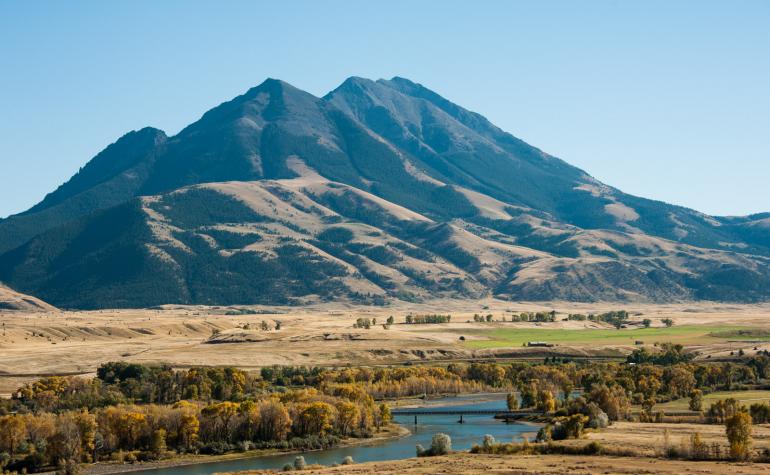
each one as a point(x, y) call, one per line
point(612, 401)
point(13, 432)
point(314, 418)
point(189, 429)
point(649, 385)
point(385, 415)
point(679, 380)
point(529, 394)
point(274, 423)
point(86, 426)
point(219, 420)
point(668, 322)
point(699, 450)
point(512, 401)
point(646, 322)
point(545, 401)
point(760, 413)
point(647, 405)
point(158, 442)
point(390, 320)
point(347, 415)
point(131, 425)
point(738, 428)
point(65, 445)
point(696, 400)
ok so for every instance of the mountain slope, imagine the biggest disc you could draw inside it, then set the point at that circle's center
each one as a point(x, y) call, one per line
point(12, 300)
point(112, 177)
point(381, 189)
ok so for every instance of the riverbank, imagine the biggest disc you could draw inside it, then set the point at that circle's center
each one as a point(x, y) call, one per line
point(482, 464)
point(392, 431)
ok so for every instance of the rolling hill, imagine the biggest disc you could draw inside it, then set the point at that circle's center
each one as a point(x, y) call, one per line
point(14, 301)
point(378, 190)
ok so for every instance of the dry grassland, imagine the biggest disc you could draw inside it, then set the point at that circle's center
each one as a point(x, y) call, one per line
point(76, 342)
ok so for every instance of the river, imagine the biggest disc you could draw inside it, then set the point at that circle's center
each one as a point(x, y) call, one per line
point(463, 437)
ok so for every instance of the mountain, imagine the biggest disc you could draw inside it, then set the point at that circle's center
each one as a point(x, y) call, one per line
point(378, 190)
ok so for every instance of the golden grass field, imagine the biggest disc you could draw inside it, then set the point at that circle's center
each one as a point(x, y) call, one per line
point(76, 342)
point(538, 464)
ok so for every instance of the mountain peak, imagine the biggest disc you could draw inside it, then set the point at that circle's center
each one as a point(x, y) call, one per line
point(486, 212)
point(351, 84)
point(274, 89)
point(271, 85)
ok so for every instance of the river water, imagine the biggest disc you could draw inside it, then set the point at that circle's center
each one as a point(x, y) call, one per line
point(463, 437)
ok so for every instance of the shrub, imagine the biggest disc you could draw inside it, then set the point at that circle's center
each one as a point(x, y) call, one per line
point(348, 460)
point(441, 444)
point(299, 463)
point(420, 450)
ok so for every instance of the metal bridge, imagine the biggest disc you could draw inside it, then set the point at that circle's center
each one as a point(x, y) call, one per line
point(456, 412)
point(497, 414)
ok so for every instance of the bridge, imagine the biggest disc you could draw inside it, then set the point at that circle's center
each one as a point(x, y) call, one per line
point(497, 414)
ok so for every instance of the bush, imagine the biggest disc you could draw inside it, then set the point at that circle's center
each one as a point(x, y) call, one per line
point(592, 448)
point(420, 450)
point(441, 444)
point(299, 463)
point(348, 460)
point(216, 448)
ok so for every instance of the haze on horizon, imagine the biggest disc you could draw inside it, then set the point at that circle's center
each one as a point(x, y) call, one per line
point(662, 100)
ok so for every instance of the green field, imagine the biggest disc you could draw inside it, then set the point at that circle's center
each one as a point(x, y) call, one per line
point(745, 397)
point(686, 334)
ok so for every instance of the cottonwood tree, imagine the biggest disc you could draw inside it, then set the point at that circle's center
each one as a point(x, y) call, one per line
point(738, 428)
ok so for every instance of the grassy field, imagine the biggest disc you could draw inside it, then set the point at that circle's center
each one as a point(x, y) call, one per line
point(745, 397)
point(686, 334)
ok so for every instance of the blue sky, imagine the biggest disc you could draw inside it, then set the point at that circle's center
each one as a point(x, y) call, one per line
point(665, 99)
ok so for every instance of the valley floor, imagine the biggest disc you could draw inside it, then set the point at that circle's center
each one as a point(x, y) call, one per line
point(77, 342)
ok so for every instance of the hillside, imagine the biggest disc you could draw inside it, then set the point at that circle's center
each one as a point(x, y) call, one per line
point(379, 190)
point(12, 300)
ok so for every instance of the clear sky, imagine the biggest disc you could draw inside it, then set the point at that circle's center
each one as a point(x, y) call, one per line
point(664, 99)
